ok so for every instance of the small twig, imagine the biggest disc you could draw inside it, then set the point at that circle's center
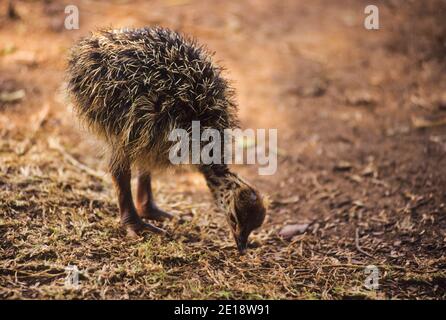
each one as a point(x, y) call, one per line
point(12, 12)
point(343, 265)
point(55, 145)
point(358, 247)
point(425, 123)
point(41, 117)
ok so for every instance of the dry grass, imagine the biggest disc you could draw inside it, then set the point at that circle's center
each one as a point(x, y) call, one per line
point(54, 214)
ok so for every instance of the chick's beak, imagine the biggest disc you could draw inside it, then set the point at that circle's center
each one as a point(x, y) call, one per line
point(242, 244)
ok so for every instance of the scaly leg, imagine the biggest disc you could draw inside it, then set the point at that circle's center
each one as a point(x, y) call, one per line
point(144, 200)
point(130, 220)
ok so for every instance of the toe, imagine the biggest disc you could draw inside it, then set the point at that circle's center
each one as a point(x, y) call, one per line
point(153, 229)
point(155, 214)
point(135, 230)
point(162, 215)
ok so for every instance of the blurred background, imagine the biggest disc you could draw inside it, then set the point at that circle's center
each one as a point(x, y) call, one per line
point(361, 119)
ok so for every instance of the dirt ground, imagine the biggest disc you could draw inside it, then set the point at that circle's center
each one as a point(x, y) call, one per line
point(362, 143)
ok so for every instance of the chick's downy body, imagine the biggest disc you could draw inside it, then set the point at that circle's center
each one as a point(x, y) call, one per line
point(133, 87)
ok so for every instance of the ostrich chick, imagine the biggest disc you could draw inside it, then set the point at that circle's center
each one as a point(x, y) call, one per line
point(133, 87)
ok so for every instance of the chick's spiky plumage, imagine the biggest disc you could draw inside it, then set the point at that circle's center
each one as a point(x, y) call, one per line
point(134, 86)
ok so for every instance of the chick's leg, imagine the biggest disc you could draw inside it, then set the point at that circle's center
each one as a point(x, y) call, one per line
point(144, 200)
point(130, 220)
